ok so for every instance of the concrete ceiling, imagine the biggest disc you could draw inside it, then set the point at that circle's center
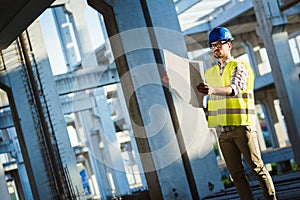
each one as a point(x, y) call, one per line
point(16, 16)
point(238, 16)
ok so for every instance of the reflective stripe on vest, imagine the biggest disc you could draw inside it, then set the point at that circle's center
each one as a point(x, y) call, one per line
point(228, 110)
point(231, 111)
point(245, 95)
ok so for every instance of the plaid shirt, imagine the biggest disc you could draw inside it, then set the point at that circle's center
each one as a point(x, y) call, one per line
point(239, 76)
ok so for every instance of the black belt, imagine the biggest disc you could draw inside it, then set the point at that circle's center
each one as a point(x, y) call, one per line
point(224, 129)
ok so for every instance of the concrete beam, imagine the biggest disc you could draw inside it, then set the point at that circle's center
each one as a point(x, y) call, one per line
point(198, 29)
point(183, 5)
point(263, 81)
point(277, 155)
point(85, 79)
point(294, 10)
point(77, 103)
point(231, 13)
point(223, 17)
point(6, 120)
point(6, 146)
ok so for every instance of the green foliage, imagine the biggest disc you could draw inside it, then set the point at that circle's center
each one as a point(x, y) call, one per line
point(294, 165)
point(227, 181)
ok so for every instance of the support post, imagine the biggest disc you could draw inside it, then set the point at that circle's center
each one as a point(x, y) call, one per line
point(272, 30)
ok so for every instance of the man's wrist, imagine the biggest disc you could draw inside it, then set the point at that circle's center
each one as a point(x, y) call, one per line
point(211, 91)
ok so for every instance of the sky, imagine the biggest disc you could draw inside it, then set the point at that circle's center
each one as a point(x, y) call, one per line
point(53, 45)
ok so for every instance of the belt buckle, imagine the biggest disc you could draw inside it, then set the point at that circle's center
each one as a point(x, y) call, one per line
point(220, 129)
point(225, 129)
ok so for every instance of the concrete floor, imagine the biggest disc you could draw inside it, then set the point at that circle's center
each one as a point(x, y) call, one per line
point(287, 187)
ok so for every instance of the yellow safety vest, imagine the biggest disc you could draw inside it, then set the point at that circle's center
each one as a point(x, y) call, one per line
point(236, 110)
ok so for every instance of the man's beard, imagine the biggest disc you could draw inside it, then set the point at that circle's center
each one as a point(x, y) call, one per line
point(217, 54)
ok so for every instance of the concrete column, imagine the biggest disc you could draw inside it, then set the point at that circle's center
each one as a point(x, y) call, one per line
point(102, 172)
point(90, 134)
point(252, 57)
point(90, 174)
point(272, 30)
point(24, 181)
point(54, 106)
point(280, 125)
point(3, 186)
point(78, 9)
point(132, 139)
point(261, 141)
point(168, 170)
point(271, 114)
point(16, 182)
point(279, 131)
point(22, 175)
point(27, 134)
point(145, 97)
point(64, 32)
point(111, 145)
point(274, 119)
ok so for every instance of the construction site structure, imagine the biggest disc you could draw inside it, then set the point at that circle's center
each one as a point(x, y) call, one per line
point(84, 113)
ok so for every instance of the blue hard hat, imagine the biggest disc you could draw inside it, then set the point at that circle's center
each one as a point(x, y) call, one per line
point(219, 34)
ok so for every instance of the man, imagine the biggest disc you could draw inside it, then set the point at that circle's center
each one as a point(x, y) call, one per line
point(231, 110)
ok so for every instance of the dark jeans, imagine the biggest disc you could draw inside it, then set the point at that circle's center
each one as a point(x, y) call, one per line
point(243, 141)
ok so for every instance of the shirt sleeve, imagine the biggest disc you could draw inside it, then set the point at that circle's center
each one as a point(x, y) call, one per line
point(239, 79)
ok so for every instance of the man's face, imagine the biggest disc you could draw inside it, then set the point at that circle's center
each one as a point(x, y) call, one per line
point(221, 49)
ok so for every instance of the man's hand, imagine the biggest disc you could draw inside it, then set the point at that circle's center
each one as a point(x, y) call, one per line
point(207, 89)
point(165, 78)
point(204, 88)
